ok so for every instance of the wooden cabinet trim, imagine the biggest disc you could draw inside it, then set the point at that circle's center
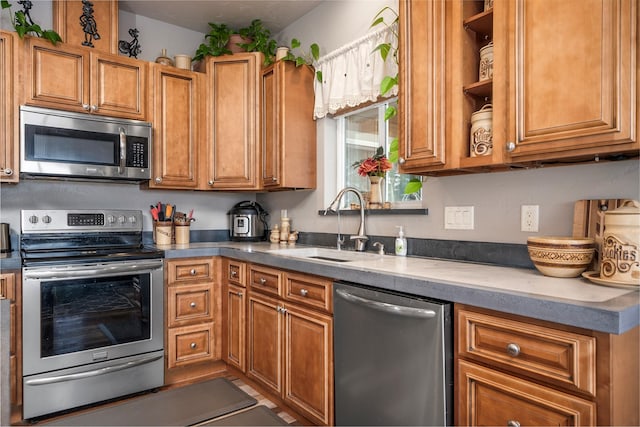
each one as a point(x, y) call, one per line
point(9, 90)
point(309, 290)
point(265, 279)
point(190, 304)
point(235, 272)
point(190, 344)
point(190, 270)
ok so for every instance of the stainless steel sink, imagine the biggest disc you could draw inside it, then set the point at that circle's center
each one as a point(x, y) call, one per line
point(325, 254)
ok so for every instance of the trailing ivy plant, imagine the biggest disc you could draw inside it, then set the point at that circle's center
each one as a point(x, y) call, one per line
point(304, 58)
point(261, 40)
point(216, 41)
point(24, 25)
point(388, 83)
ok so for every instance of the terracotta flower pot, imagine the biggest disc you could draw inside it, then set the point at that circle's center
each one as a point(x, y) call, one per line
point(236, 39)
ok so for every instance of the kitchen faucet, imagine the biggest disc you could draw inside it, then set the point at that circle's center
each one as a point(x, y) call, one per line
point(361, 238)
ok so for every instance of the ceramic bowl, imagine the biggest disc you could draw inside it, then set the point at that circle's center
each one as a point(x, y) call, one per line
point(561, 256)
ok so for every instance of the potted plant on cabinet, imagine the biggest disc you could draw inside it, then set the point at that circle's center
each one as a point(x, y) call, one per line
point(23, 24)
point(258, 39)
point(216, 42)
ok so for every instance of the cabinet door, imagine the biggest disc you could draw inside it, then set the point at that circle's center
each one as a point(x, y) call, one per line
point(573, 85)
point(9, 147)
point(233, 339)
point(176, 139)
point(233, 105)
point(309, 363)
point(288, 128)
point(488, 397)
point(265, 341)
point(423, 82)
point(58, 77)
point(118, 86)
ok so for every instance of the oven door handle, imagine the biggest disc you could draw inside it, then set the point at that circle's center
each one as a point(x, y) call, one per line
point(53, 272)
point(92, 373)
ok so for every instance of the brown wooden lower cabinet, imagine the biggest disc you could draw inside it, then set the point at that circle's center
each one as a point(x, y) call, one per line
point(492, 398)
point(11, 289)
point(290, 352)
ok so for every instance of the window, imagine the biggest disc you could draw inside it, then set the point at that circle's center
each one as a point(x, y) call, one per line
point(360, 133)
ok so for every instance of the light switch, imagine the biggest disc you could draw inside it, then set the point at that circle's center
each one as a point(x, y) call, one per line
point(458, 218)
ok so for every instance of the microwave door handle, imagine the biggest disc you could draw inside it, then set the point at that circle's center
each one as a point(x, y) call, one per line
point(123, 151)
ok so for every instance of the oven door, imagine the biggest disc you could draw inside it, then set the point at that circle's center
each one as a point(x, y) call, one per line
point(78, 315)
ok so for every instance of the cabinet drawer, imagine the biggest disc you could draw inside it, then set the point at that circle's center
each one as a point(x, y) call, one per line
point(563, 358)
point(309, 290)
point(190, 344)
point(8, 286)
point(190, 270)
point(235, 272)
point(266, 280)
point(189, 304)
point(497, 399)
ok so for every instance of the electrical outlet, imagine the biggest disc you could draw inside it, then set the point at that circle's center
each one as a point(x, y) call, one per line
point(529, 218)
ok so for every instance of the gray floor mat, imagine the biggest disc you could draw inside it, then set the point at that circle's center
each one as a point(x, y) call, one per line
point(183, 406)
point(258, 416)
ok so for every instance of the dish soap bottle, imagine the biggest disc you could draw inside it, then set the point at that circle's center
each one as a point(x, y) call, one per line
point(401, 242)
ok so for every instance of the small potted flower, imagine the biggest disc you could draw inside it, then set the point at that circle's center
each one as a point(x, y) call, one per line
point(375, 168)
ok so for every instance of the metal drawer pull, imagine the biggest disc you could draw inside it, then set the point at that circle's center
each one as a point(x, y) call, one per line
point(263, 280)
point(93, 373)
point(234, 273)
point(513, 350)
point(193, 272)
point(304, 292)
point(193, 305)
point(513, 423)
point(239, 294)
point(193, 345)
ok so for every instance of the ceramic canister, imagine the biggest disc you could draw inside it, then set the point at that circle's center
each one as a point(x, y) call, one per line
point(481, 135)
point(621, 244)
point(486, 62)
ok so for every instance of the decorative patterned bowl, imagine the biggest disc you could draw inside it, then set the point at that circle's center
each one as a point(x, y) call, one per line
point(561, 256)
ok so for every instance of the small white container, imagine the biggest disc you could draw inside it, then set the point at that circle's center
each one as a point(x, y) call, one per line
point(183, 61)
point(281, 52)
point(486, 62)
point(481, 135)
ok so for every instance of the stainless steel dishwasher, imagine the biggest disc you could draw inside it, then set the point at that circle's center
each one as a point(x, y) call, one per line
point(392, 358)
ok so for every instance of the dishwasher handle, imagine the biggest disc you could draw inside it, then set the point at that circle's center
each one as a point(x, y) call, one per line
point(386, 307)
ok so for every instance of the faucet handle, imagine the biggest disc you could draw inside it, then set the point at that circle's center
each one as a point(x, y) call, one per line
point(380, 247)
point(339, 242)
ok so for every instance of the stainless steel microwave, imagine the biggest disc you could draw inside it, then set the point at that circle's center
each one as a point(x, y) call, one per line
point(60, 144)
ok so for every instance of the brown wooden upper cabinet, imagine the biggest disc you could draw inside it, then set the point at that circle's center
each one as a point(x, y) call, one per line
point(231, 154)
point(288, 128)
point(176, 117)
point(9, 147)
point(80, 79)
point(563, 87)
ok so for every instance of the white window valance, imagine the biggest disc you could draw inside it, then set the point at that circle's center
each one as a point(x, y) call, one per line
point(351, 75)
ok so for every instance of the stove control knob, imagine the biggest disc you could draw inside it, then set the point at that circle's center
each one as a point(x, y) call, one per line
point(122, 219)
point(46, 219)
point(111, 219)
point(33, 219)
point(132, 219)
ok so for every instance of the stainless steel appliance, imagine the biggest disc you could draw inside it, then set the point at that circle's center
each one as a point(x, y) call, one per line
point(248, 222)
point(92, 297)
point(60, 144)
point(393, 358)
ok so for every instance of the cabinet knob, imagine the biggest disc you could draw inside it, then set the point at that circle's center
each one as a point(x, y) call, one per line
point(234, 273)
point(193, 272)
point(262, 280)
point(304, 292)
point(239, 294)
point(513, 349)
point(274, 179)
point(94, 108)
point(158, 180)
point(193, 345)
point(86, 107)
point(8, 171)
point(511, 146)
point(192, 305)
point(513, 423)
point(401, 160)
point(210, 182)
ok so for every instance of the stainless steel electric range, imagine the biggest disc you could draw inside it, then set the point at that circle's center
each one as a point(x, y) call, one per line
point(92, 308)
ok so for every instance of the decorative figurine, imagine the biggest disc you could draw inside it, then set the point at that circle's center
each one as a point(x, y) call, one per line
point(131, 48)
point(26, 7)
point(88, 24)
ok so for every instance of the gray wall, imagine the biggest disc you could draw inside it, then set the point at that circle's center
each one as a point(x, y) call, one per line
point(497, 197)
